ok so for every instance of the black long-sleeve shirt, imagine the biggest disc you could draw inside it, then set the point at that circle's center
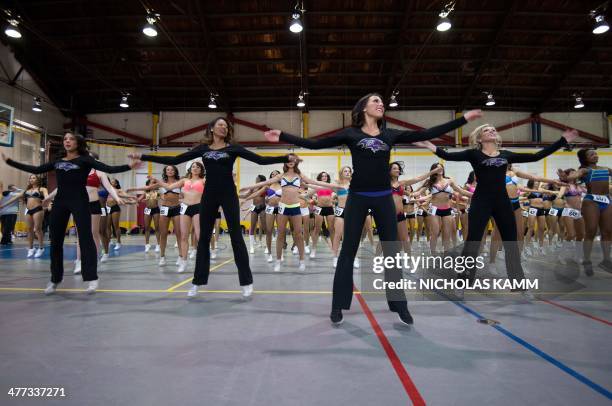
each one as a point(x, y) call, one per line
point(491, 171)
point(371, 154)
point(218, 162)
point(71, 174)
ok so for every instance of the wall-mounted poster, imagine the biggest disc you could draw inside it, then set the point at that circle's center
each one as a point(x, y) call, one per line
point(6, 125)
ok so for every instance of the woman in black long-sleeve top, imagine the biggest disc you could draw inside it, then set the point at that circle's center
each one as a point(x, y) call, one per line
point(218, 155)
point(71, 171)
point(370, 143)
point(490, 197)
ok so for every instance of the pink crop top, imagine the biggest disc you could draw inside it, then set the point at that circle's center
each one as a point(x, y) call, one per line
point(324, 192)
point(193, 186)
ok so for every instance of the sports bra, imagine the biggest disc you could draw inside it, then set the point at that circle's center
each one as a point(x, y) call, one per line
point(447, 189)
point(92, 179)
point(549, 198)
point(153, 195)
point(193, 186)
point(293, 182)
point(34, 195)
point(175, 190)
point(103, 193)
point(572, 191)
point(596, 175)
point(534, 195)
point(399, 191)
point(511, 180)
point(324, 192)
point(271, 192)
point(342, 192)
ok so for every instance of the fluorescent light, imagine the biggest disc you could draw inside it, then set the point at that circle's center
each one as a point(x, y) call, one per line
point(296, 25)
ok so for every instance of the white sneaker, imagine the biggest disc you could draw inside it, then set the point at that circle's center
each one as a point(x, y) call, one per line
point(313, 254)
point(77, 266)
point(178, 261)
point(277, 266)
point(295, 251)
point(91, 288)
point(335, 262)
point(162, 261)
point(247, 290)
point(157, 248)
point(147, 247)
point(192, 254)
point(302, 266)
point(182, 266)
point(356, 263)
point(193, 291)
point(527, 252)
point(117, 246)
point(175, 245)
point(213, 254)
point(251, 250)
point(270, 259)
point(307, 249)
point(51, 288)
point(267, 251)
point(104, 257)
point(251, 244)
point(31, 252)
point(39, 253)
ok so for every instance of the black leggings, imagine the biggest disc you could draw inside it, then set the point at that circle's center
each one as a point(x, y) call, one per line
point(500, 208)
point(355, 213)
point(58, 220)
point(209, 208)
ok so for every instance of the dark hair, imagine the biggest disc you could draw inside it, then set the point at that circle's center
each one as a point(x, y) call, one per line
point(82, 148)
point(530, 183)
point(357, 114)
point(432, 178)
point(471, 178)
point(399, 164)
point(176, 172)
point(260, 178)
point(118, 184)
point(320, 177)
point(272, 174)
point(208, 134)
point(147, 182)
point(38, 180)
point(198, 164)
point(295, 167)
point(582, 157)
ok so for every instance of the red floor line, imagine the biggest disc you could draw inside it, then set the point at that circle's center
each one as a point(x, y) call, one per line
point(401, 372)
point(569, 309)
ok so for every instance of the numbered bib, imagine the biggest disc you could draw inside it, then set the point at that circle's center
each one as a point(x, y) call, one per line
point(525, 213)
point(601, 199)
point(281, 209)
point(147, 211)
point(108, 210)
point(103, 211)
point(454, 212)
point(553, 212)
point(270, 209)
point(163, 210)
point(252, 208)
point(419, 212)
point(338, 211)
point(406, 200)
point(572, 213)
point(183, 208)
point(467, 210)
point(25, 212)
point(432, 210)
point(317, 210)
point(533, 211)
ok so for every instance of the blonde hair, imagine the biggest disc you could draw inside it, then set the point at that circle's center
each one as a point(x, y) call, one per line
point(476, 135)
point(342, 170)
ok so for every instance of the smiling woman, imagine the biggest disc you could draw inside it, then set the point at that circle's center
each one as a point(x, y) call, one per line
point(370, 143)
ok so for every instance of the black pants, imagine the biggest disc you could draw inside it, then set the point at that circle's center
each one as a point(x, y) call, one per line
point(7, 222)
point(355, 212)
point(209, 207)
point(58, 220)
point(500, 208)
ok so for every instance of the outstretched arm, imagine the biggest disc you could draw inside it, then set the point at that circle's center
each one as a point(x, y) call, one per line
point(434, 132)
point(334, 140)
point(261, 160)
point(13, 199)
point(568, 136)
point(258, 185)
point(422, 177)
point(28, 168)
point(173, 160)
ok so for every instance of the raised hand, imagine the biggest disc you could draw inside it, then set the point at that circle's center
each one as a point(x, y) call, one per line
point(425, 144)
point(570, 135)
point(294, 158)
point(272, 135)
point(473, 115)
point(134, 155)
point(135, 164)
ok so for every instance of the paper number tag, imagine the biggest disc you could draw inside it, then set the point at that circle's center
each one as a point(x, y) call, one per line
point(147, 211)
point(533, 211)
point(317, 210)
point(281, 208)
point(553, 212)
point(601, 199)
point(163, 210)
point(252, 208)
point(419, 212)
point(525, 213)
point(338, 211)
point(183, 208)
point(269, 209)
point(432, 210)
point(108, 210)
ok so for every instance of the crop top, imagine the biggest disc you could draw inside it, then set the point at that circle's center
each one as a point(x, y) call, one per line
point(511, 180)
point(193, 186)
point(33, 194)
point(93, 180)
point(324, 192)
point(293, 182)
point(274, 193)
point(596, 175)
point(342, 192)
point(447, 189)
point(175, 190)
point(399, 191)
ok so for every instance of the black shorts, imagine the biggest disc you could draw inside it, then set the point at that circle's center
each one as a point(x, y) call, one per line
point(311, 215)
point(516, 206)
point(541, 212)
point(154, 211)
point(115, 209)
point(259, 208)
point(192, 210)
point(423, 214)
point(95, 208)
point(401, 217)
point(218, 216)
point(326, 211)
point(173, 211)
point(411, 215)
point(444, 212)
point(33, 211)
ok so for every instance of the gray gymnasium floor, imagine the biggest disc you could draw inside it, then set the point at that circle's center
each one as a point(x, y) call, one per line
point(139, 340)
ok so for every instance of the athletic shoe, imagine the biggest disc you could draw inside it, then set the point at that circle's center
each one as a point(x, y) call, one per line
point(335, 262)
point(104, 257)
point(356, 263)
point(267, 251)
point(193, 291)
point(307, 249)
point(176, 244)
point(39, 253)
point(313, 254)
point(147, 247)
point(336, 317)
point(117, 246)
point(91, 288)
point(270, 259)
point(182, 265)
point(295, 250)
point(192, 254)
point(247, 290)
point(157, 248)
point(277, 266)
point(51, 288)
point(251, 249)
point(213, 254)
point(405, 317)
point(588, 268)
point(77, 266)
point(162, 261)
point(302, 266)
point(178, 260)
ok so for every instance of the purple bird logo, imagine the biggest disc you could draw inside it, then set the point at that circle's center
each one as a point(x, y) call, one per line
point(373, 144)
point(66, 166)
point(216, 155)
point(497, 162)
